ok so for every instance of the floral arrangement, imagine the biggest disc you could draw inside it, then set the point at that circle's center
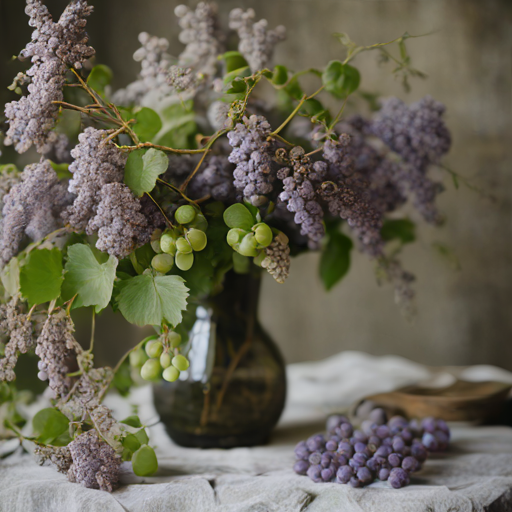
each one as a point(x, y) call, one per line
point(142, 199)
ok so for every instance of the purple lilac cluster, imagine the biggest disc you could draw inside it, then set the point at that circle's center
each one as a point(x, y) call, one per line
point(387, 451)
point(252, 153)
point(215, 180)
point(347, 197)
point(419, 135)
point(300, 183)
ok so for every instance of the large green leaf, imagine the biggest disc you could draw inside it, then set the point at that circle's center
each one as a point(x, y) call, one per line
point(41, 276)
point(335, 260)
point(49, 424)
point(143, 168)
point(340, 79)
point(149, 300)
point(91, 280)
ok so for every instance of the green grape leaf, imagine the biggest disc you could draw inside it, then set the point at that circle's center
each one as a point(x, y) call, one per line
point(11, 277)
point(335, 259)
point(99, 77)
point(49, 424)
point(41, 276)
point(91, 280)
point(132, 421)
point(340, 79)
point(234, 60)
point(149, 300)
point(148, 123)
point(144, 461)
point(143, 168)
point(280, 75)
point(238, 216)
point(398, 229)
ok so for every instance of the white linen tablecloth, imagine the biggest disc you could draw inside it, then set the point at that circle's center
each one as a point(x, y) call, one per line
point(475, 475)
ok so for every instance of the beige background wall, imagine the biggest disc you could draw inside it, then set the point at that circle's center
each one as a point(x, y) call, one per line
point(465, 316)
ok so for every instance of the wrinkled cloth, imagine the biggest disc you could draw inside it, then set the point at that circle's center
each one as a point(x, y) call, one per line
point(474, 476)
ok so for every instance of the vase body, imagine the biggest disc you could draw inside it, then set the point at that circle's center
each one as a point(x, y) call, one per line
point(234, 391)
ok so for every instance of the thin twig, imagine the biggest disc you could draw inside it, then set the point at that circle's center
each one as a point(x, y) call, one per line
point(176, 189)
point(161, 210)
point(143, 145)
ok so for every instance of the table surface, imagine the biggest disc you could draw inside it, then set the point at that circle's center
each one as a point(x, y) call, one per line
point(475, 475)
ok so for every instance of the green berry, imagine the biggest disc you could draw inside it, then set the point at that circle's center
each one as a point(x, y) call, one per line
point(183, 246)
point(171, 374)
point(165, 360)
point(174, 339)
point(168, 244)
point(155, 245)
point(151, 370)
point(154, 348)
point(197, 239)
point(184, 261)
point(162, 263)
point(248, 246)
point(185, 214)
point(200, 222)
point(180, 362)
point(263, 234)
point(235, 236)
point(138, 358)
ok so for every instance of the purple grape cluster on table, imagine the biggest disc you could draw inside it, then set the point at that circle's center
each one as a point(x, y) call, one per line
point(384, 450)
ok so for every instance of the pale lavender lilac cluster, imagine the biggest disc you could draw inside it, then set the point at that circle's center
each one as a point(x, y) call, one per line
point(381, 450)
point(257, 41)
point(31, 208)
point(54, 46)
point(95, 464)
point(252, 153)
point(20, 332)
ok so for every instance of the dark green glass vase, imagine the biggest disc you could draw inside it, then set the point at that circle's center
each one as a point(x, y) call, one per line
point(234, 391)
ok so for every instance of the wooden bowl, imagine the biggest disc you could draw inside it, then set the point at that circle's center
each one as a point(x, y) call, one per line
point(461, 401)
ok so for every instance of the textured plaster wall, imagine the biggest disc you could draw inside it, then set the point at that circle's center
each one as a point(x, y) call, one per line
point(465, 316)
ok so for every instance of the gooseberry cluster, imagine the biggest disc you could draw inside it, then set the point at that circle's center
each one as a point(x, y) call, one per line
point(158, 357)
point(177, 245)
point(388, 451)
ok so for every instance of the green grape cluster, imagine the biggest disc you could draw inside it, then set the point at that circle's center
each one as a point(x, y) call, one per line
point(250, 243)
point(248, 236)
point(176, 246)
point(158, 358)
